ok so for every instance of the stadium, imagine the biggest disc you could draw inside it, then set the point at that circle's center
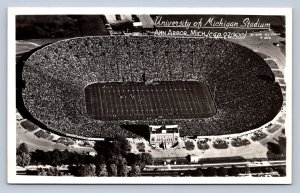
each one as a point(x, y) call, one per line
point(99, 86)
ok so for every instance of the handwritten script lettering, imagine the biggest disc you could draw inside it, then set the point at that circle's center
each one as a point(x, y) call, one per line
point(209, 27)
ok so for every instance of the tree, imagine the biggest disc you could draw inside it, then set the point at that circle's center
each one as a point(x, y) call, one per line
point(122, 170)
point(187, 173)
point(88, 159)
point(75, 158)
point(135, 171)
point(222, 171)
point(23, 156)
point(119, 146)
point(23, 148)
point(210, 171)
point(197, 172)
point(233, 171)
point(41, 172)
point(267, 169)
point(274, 148)
point(102, 170)
point(99, 159)
point(281, 171)
point(23, 159)
point(247, 170)
point(134, 159)
point(122, 166)
point(53, 171)
point(55, 157)
point(38, 157)
point(146, 159)
point(277, 150)
point(86, 170)
point(64, 156)
point(112, 170)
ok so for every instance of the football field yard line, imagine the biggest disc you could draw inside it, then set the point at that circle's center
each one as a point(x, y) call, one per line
point(199, 99)
point(93, 99)
point(103, 109)
point(176, 98)
point(199, 102)
point(150, 104)
point(110, 102)
point(131, 109)
point(169, 101)
point(107, 107)
point(154, 106)
point(163, 110)
point(191, 99)
point(181, 104)
point(115, 102)
point(157, 99)
point(141, 101)
point(107, 101)
point(97, 92)
point(135, 102)
point(145, 103)
point(124, 104)
point(127, 102)
point(182, 101)
point(174, 103)
point(188, 101)
point(166, 100)
point(208, 96)
point(88, 99)
point(121, 102)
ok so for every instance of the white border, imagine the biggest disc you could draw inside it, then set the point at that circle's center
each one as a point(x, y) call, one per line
point(11, 97)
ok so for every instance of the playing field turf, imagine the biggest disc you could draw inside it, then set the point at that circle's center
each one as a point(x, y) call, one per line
point(139, 101)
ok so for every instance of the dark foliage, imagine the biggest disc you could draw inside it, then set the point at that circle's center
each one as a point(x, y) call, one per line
point(233, 171)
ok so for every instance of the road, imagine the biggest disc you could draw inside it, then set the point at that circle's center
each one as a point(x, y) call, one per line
point(217, 165)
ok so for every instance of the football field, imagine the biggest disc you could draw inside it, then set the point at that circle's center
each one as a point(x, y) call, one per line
point(139, 101)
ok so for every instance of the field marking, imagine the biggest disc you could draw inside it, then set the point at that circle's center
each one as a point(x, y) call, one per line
point(199, 102)
point(149, 99)
point(195, 109)
point(175, 104)
point(182, 102)
point(115, 101)
point(156, 109)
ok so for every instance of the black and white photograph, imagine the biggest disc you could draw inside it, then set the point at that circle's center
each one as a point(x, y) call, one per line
point(149, 96)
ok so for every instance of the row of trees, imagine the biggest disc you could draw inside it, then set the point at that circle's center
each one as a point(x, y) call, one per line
point(112, 159)
point(234, 171)
point(211, 171)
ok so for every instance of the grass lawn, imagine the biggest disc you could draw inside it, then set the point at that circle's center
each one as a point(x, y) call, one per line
point(65, 141)
point(273, 128)
point(238, 142)
point(258, 136)
point(29, 126)
point(43, 134)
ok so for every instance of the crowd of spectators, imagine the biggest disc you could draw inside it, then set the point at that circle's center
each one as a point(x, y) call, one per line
point(242, 85)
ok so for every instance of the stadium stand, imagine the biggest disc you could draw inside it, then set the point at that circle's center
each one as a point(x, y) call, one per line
point(242, 85)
